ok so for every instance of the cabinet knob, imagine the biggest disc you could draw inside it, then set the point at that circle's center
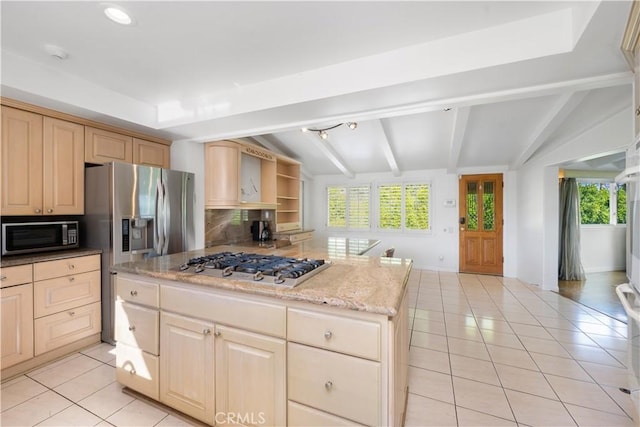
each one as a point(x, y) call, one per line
point(49, 210)
point(3, 277)
point(72, 279)
point(132, 328)
point(328, 335)
point(638, 111)
point(328, 385)
point(38, 210)
point(72, 313)
point(71, 266)
point(217, 333)
point(132, 372)
point(206, 331)
point(134, 293)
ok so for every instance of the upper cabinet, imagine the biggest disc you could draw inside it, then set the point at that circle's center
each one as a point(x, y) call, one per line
point(42, 165)
point(287, 194)
point(239, 175)
point(150, 153)
point(102, 146)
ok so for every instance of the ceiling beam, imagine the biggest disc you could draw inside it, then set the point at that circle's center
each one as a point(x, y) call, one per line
point(329, 152)
point(457, 137)
point(554, 118)
point(380, 130)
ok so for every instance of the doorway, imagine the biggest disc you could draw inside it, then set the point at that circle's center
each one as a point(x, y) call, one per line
point(481, 223)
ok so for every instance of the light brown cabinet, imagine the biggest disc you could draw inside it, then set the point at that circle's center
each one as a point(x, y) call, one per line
point(288, 195)
point(102, 146)
point(42, 164)
point(16, 315)
point(137, 326)
point(150, 153)
point(239, 176)
point(187, 366)
point(66, 301)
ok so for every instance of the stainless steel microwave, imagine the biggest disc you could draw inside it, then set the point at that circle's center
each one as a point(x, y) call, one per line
point(29, 237)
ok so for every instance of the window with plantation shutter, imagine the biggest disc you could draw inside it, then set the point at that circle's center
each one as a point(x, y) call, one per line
point(403, 207)
point(348, 207)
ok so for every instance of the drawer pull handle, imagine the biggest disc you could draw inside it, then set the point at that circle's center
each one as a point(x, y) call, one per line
point(132, 372)
point(71, 266)
point(134, 293)
point(206, 331)
point(72, 313)
point(328, 335)
point(328, 385)
point(3, 277)
point(217, 333)
point(132, 328)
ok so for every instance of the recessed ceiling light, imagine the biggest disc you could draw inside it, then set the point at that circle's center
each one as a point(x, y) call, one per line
point(118, 15)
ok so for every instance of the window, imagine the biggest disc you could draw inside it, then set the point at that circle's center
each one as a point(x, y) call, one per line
point(602, 203)
point(403, 207)
point(348, 207)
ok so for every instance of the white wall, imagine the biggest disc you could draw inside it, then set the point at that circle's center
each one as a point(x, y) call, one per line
point(189, 157)
point(603, 248)
point(538, 194)
point(437, 250)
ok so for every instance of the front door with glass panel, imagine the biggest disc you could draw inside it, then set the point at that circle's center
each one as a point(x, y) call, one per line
point(480, 223)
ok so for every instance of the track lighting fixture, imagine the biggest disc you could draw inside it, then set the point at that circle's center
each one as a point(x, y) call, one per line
point(323, 134)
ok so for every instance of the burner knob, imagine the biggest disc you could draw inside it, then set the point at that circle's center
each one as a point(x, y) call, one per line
point(227, 272)
point(258, 276)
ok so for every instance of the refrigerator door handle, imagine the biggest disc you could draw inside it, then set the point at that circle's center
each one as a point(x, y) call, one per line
point(622, 291)
point(166, 217)
point(158, 226)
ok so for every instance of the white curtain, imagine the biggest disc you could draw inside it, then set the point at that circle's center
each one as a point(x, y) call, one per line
point(569, 264)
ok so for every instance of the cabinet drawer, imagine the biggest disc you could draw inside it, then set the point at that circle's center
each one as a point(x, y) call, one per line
point(137, 326)
point(64, 293)
point(351, 336)
point(243, 313)
point(66, 327)
point(138, 370)
point(63, 267)
point(299, 237)
point(18, 275)
point(138, 292)
point(343, 385)
point(300, 415)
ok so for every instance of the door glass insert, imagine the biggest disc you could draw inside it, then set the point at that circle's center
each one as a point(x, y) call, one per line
point(488, 207)
point(472, 206)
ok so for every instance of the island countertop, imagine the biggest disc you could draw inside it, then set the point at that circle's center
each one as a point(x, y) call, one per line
point(366, 283)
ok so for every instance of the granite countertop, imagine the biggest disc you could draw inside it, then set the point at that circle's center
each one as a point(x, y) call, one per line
point(13, 260)
point(365, 283)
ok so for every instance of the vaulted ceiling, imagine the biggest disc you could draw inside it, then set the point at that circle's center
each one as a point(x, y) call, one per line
point(432, 85)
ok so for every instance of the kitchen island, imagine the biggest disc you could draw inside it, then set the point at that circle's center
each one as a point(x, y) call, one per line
point(330, 351)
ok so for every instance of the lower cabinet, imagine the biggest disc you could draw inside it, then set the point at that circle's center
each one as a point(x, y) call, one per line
point(16, 316)
point(250, 378)
point(186, 366)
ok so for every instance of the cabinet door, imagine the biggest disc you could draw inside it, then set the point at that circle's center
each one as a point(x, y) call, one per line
point(222, 175)
point(250, 378)
point(21, 160)
point(150, 153)
point(63, 167)
point(16, 313)
point(102, 146)
point(186, 366)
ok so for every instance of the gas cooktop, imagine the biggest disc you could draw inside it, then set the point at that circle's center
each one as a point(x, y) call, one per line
point(271, 269)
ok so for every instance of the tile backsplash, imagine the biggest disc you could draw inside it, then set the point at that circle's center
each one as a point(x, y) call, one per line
point(231, 225)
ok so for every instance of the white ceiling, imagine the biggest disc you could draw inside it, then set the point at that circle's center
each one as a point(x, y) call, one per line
point(516, 77)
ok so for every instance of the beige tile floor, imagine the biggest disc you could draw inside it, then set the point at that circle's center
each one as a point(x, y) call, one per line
point(485, 351)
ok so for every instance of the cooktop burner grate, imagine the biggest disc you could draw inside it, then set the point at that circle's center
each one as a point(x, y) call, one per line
point(270, 269)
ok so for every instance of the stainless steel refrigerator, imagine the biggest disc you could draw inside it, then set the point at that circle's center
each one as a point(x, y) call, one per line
point(133, 212)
